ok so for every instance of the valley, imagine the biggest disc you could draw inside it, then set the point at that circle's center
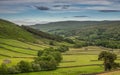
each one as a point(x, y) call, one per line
point(59, 37)
point(80, 59)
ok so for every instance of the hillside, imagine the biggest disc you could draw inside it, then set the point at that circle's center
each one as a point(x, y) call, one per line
point(72, 28)
point(18, 42)
point(13, 31)
point(103, 33)
point(63, 26)
point(13, 50)
point(22, 41)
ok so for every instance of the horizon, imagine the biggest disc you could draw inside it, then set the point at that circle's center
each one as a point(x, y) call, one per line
point(59, 21)
point(31, 12)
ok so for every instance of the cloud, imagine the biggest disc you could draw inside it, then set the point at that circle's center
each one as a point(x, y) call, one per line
point(56, 5)
point(65, 6)
point(109, 11)
point(59, 5)
point(91, 2)
point(42, 8)
point(62, 6)
point(80, 16)
point(28, 22)
point(12, 10)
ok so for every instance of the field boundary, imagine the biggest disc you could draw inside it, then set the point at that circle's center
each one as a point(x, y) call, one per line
point(101, 72)
point(15, 51)
point(19, 47)
point(80, 66)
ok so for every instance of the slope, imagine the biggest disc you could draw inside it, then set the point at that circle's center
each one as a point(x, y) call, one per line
point(101, 33)
point(13, 31)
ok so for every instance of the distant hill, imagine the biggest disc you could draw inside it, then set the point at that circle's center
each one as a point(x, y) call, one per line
point(23, 42)
point(92, 31)
point(63, 25)
point(80, 28)
point(12, 31)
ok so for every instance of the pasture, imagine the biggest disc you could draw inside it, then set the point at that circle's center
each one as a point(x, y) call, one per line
point(76, 61)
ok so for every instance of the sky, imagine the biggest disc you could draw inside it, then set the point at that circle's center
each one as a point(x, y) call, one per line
point(29, 12)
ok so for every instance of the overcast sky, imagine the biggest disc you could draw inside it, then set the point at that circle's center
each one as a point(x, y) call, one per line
point(30, 12)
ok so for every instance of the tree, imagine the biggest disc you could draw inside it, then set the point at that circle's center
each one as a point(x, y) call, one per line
point(48, 59)
point(57, 56)
point(69, 40)
point(53, 52)
point(51, 43)
point(36, 67)
point(63, 48)
point(13, 70)
point(24, 66)
point(47, 62)
point(40, 52)
point(3, 69)
point(108, 59)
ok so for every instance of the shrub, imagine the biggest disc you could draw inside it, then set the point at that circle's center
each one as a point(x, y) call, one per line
point(69, 40)
point(63, 49)
point(24, 66)
point(13, 70)
point(57, 55)
point(36, 67)
point(3, 69)
point(51, 43)
point(47, 62)
point(53, 52)
point(82, 44)
point(48, 59)
point(40, 52)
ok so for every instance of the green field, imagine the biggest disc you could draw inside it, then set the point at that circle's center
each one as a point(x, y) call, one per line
point(23, 43)
point(111, 73)
point(76, 61)
point(68, 71)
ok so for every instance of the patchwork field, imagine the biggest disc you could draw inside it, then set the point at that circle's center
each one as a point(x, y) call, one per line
point(76, 61)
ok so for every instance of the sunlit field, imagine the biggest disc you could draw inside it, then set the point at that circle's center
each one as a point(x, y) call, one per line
point(75, 61)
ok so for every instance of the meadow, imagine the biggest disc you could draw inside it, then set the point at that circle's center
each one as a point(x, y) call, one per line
point(75, 61)
point(111, 73)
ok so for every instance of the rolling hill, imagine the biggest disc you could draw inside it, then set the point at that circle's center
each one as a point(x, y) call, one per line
point(16, 46)
point(102, 33)
point(73, 28)
point(21, 41)
point(13, 31)
point(23, 33)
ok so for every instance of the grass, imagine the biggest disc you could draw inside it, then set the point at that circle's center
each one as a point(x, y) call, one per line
point(12, 54)
point(19, 50)
point(111, 73)
point(11, 30)
point(68, 71)
point(79, 60)
point(76, 61)
point(15, 48)
point(14, 61)
point(22, 44)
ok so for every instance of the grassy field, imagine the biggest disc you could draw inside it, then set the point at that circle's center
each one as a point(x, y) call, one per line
point(76, 61)
point(75, 64)
point(15, 48)
point(111, 73)
point(68, 71)
point(20, 44)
